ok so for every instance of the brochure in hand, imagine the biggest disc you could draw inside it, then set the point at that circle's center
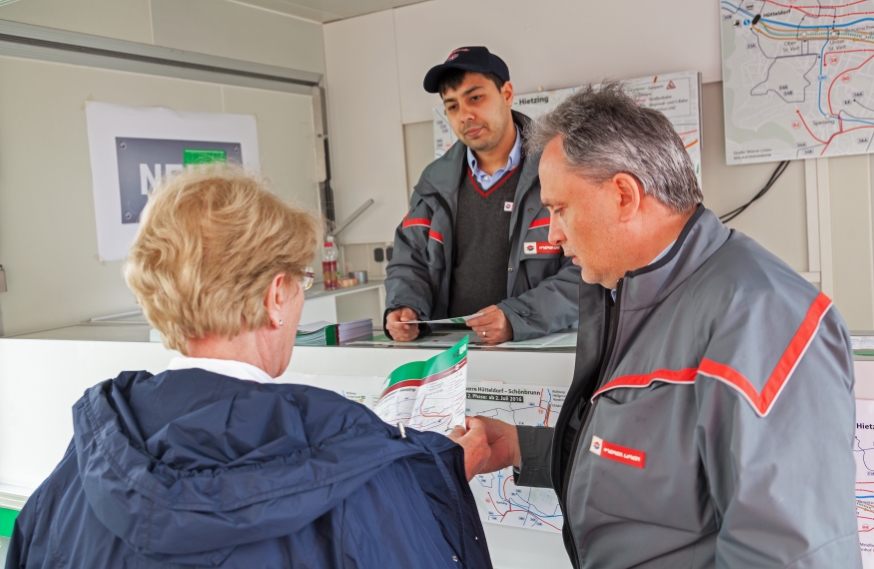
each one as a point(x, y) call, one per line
point(429, 395)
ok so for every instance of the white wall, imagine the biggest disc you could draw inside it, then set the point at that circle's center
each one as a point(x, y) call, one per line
point(378, 63)
point(557, 43)
point(364, 124)
point(237, 31)
point(48, 243)
point(375, 66)
point(120, 19)
point(214, 27)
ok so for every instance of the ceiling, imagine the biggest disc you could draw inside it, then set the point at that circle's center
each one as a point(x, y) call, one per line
point(328, 10)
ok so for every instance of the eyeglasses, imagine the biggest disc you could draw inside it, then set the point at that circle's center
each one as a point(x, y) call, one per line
point(306, 281)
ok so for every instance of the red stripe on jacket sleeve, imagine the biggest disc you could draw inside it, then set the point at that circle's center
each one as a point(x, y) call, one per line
point(436, 236)
point(805, 334)
point(543, 222)
point(761, 402)
point(417, 222)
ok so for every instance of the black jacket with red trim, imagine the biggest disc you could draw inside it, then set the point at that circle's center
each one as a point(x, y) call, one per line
point(542, 284)
point(712, 424)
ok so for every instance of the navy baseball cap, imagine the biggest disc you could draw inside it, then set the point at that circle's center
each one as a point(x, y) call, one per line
point(476, 59)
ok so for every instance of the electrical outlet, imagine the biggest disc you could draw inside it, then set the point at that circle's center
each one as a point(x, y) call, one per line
point(377, 261)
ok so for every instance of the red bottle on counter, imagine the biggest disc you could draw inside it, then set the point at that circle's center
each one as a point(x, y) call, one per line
point(329, 264)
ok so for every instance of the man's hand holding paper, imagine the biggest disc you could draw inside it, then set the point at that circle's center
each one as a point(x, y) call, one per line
point(493, 326)
point(489, 445)
point(396, 323)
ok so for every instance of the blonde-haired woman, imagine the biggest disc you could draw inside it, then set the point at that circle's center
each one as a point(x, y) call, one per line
point(212, 463)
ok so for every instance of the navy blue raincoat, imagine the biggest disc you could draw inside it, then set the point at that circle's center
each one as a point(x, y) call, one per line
point(189, 468)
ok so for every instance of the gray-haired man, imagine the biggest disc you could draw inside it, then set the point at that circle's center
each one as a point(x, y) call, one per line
point(710, 420)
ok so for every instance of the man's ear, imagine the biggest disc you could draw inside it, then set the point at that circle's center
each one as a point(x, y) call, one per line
point(629, 192)
point(507, 92)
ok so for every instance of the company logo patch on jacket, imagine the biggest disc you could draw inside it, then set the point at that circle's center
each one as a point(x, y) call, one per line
point(540, 248)
point(618, 453)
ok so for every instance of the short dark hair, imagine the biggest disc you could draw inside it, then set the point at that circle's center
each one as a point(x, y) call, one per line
point(452, 78)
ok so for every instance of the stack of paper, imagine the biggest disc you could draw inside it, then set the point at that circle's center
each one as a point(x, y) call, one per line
point(326, 334)
point(316, 334)
point(863, 343)
point(355, 330)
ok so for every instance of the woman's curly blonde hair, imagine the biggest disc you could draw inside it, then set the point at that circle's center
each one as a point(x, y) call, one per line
point(210, 241)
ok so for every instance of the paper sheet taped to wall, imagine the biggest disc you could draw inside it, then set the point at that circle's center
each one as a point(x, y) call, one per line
point(863, 450)
point(676, 95)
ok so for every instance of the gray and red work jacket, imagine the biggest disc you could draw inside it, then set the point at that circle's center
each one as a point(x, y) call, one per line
point(542, 285)
point(710, 422)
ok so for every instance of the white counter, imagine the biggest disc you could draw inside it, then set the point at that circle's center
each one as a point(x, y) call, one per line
point(43, 374)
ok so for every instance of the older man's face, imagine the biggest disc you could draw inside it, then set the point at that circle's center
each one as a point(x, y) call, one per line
point(584, 218)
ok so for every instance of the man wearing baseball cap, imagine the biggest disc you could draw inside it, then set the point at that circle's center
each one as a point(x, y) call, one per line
point(475, 240)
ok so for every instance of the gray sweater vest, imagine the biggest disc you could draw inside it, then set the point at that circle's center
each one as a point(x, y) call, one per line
point(482, 243)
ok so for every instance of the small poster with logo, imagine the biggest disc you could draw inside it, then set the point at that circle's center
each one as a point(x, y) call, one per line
point(133, 149)
point(863, 449)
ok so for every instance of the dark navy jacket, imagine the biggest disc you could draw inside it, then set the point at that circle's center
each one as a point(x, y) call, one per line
point(191, 468)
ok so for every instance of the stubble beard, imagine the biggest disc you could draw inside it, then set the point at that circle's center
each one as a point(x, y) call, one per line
point(482, 144)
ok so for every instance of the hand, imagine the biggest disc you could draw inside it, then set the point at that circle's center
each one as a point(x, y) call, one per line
point(493, 326)
point(503, 441)
point(475, 445)
point(401, 332)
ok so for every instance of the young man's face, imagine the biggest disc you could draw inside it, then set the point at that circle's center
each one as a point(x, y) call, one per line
point(479, 112)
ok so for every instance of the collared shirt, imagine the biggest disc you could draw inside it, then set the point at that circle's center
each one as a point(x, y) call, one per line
point(659, 256)
point(230, 368)
point(486, 180)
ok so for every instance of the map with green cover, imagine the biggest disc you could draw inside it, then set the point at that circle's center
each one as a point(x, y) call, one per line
point(429, 395)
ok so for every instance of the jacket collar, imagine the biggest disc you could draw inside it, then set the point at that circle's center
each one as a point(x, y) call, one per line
point(701, 237)
point(445, 175)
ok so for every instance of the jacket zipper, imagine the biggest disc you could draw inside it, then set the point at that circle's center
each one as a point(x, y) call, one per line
point(608, 353)
point(611, 334)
